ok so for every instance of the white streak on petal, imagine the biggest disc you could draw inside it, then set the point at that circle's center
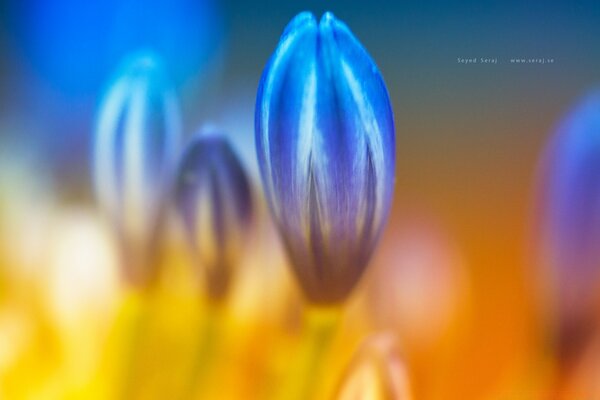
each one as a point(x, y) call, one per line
point(306, 139)
point(373, 137)
point(282, 49)
point(135, 190)
point(104, 149)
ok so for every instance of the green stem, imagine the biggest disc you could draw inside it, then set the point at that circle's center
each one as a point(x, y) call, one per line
point(305, 375)
point(137, 321)
point(206, 351)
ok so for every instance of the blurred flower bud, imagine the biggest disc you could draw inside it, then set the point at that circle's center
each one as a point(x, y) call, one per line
point(326, 151)
point(136, 143)
point(418, 283)
point(376, 372)
point(214, 200)
point(569, 221)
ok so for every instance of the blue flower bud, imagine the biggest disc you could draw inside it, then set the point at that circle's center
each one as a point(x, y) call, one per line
point(213, 198)
point(136, 143)
point(326, 151)
point(570, 209)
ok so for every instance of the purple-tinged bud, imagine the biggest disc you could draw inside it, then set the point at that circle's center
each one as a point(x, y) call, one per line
point(569, 223)
point(326, 152)
point(213, 198)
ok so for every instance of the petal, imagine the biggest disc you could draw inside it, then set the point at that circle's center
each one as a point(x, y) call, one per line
point(377, 371)
point(283, 114)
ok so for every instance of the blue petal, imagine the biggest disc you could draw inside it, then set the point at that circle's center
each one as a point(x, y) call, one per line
point(325, 143)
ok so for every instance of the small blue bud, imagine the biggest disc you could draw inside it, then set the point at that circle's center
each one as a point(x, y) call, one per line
point(326, 151)
point(137, 140)
point(213, 198)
